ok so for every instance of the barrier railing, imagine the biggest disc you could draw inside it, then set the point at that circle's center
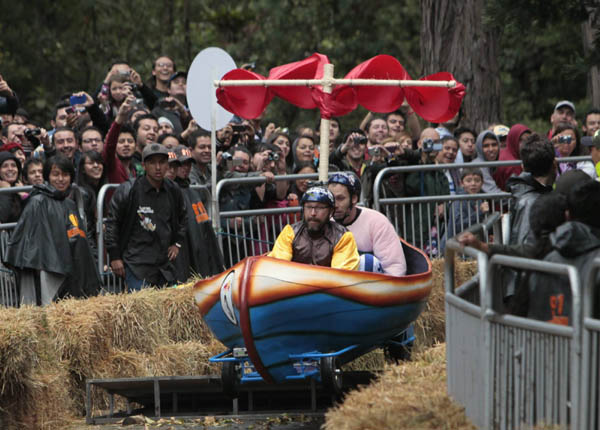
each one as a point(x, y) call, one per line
point(428, 221)
point(9, 291)
point(255, 234)
point(465, 362)
point(111, 282)
point(590, 368)
point(377, 183)
point(512, 372)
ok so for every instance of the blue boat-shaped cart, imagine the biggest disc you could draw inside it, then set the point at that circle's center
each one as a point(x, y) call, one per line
point(285, 321)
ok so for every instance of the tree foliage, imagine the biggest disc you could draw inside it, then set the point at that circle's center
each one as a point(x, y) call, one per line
point(49, 48)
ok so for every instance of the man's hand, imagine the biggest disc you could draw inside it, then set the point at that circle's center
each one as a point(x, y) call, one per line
point(236, 222)
point(269, 129)
point(118, 268)
point(183, 113)
point(350, 142)
point(89, 101)
point(469, 239)
point(124, 110)
point(44, 138)
point(484, 207)
point(113, 71)
point(270, 177)
point(72, 119)
point(173, 252)
point(192, 127)
point(4, 88)
point(136, 78)
point(381, 155)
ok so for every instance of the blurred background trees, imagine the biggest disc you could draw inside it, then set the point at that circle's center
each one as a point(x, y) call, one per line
point(517, 57)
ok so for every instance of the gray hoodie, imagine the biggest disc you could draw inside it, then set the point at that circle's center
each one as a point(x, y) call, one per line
point(489, 185)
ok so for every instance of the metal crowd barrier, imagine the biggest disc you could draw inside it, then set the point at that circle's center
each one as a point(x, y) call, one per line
point(428, 221)
point(590, 367)
point(257, 232)
point(512, 372)
point(9, 291)
point(9, 294)
point(111, 282)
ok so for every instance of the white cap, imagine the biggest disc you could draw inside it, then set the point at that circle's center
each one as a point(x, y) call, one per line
point(565, 103)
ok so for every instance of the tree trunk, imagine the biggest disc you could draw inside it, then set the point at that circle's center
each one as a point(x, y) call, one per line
point(454, 39)
point(187, 39)
point(589, 27)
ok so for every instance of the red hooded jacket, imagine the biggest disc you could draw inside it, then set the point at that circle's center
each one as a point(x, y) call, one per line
point(511, 152)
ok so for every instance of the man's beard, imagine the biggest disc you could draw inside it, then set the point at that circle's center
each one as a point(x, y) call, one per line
point(125, 158)
point(315, 230)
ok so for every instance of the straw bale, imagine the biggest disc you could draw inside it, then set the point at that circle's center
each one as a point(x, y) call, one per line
point(136, 321)
point(183, 318)
point(79, 333)
point(18, 348)
point(373, 361)
point(180, 359)
point(32, 376)
point(51, 404)
point(409, 395)
point(430, 327)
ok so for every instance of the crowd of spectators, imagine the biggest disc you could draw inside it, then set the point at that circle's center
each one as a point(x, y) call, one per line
point(103, 134)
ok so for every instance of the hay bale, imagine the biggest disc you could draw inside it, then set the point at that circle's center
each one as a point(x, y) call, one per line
point(410, 395)
point(186, 358)
point(32, 375)
point(373, 361)
point(18, 348)
point(182, 317)
point(48, 353)
point(430, 327)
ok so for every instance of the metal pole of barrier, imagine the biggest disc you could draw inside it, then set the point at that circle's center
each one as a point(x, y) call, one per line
point(506, 229)
point(100, 223)
point(460, 381)
point(574, 333)
point(588, 411)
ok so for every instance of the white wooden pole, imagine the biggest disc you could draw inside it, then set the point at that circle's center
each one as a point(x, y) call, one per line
point(324, 132)
point(213, 158)
point(351, 82)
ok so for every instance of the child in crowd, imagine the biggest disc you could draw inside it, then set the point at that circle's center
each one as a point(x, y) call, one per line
point(466, 213)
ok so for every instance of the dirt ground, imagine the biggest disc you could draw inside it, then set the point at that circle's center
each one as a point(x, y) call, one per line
point(256, 422)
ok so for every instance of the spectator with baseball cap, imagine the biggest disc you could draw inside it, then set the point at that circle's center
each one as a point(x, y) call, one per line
point(564, 111)
point(147, 224)
point(501, 132)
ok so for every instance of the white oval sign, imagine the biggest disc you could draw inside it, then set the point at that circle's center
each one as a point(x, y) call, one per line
point(209, 65)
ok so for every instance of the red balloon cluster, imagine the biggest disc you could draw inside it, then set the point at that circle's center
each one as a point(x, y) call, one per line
point(434, 104)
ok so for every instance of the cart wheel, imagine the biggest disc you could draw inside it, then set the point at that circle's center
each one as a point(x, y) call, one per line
point(331, 376)
point(229, 378)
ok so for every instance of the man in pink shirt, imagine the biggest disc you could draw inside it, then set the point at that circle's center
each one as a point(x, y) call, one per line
point(373, 232)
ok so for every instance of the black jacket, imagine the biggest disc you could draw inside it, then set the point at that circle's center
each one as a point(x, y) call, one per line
point(51, 236)
point(525, 190)
point(550, 295)
point(133, 203)
point(200, 253)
